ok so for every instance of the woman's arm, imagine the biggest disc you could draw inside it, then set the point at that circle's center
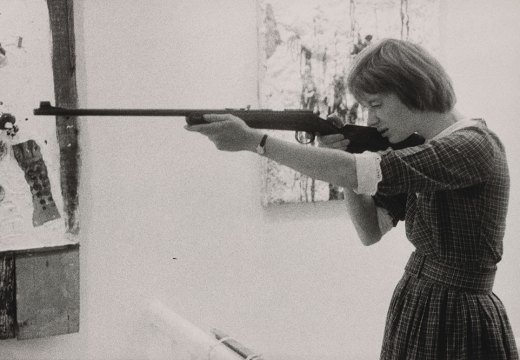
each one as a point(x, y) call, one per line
point(361, 208)
point(229, 133)
point(333, 166)
point(363, 214)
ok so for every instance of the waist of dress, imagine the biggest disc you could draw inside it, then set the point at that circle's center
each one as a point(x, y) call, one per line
point(422, 266)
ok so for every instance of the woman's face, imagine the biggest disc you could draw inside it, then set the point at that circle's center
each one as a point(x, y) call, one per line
point(390, 116)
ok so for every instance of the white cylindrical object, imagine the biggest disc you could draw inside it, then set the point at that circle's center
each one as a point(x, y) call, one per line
point(186, 338)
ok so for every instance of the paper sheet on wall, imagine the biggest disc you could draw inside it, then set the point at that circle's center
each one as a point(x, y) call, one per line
point(31, 202)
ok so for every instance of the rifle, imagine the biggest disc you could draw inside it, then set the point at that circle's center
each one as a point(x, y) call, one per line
point(361, 138)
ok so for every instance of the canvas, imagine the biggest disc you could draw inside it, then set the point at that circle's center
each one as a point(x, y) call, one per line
point(305, 49)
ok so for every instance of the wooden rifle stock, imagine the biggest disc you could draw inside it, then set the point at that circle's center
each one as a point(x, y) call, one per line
point(362, 138)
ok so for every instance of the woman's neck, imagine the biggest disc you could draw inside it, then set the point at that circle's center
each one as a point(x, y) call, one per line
point(432, 123)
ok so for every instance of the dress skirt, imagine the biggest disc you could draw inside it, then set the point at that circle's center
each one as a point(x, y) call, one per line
point(438, 312)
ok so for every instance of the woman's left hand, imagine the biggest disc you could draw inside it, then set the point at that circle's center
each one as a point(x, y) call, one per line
point(334, 141)
point(228, 132)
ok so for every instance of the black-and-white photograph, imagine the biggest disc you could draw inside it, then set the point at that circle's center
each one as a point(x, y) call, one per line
point(259, 179)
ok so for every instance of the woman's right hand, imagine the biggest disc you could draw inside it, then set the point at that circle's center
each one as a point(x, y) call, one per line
point(334, 141)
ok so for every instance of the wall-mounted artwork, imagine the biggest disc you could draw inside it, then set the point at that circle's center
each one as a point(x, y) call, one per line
point(39, 162)
point(31, 196)
point(305, 49)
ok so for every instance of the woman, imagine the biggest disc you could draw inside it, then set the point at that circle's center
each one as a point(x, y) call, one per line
point(452, 192)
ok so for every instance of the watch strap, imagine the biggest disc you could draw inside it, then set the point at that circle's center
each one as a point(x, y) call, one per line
point(260, 149)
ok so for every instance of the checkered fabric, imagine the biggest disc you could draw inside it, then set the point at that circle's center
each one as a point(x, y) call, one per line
point(452, 193)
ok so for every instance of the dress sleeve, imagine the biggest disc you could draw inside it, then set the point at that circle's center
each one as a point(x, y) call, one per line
point(368, 170)
point(458, 160)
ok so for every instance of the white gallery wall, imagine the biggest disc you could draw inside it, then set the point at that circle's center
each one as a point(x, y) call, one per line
point(165, 216)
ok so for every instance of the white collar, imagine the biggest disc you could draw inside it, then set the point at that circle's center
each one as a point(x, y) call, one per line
point(457, 126)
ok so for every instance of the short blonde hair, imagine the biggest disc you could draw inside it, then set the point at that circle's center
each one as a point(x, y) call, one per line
point(405, 69)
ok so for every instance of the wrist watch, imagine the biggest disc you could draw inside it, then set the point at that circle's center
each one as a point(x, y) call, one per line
point(260, 148)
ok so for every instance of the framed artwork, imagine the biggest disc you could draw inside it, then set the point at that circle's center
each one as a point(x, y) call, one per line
point(305, 50)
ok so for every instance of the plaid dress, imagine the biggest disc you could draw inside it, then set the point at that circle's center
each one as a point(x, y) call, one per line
point(452, 193)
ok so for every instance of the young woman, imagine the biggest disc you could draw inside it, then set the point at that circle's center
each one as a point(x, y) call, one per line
point(452, 192)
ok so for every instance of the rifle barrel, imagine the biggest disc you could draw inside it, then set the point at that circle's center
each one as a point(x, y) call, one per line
point(47, 109)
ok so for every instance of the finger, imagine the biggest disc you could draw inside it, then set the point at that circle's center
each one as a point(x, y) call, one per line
point(216, 117)
point(335, 137)
point(336, 120)
point(343, 144)
point(330, 139)
point(202, 128)
point(194, 128)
